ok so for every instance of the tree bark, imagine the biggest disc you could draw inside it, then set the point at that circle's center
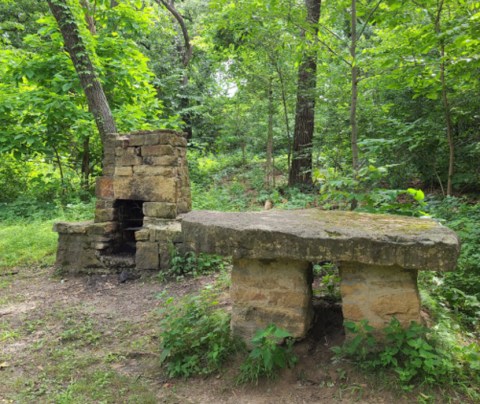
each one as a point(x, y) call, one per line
point(301, 170)
point(269, 163)
point(354, 89)
point(446, 105)
point(96, 99)
point(86, 163)
point(89, 16)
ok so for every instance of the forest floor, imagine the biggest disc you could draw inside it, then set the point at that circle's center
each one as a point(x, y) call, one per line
point(94, 339)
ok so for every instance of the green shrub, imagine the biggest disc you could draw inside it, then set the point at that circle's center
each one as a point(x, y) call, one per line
point(195, 337)
point(191, 264)
point(409, 352)
point(268, 355)
point(459, 289)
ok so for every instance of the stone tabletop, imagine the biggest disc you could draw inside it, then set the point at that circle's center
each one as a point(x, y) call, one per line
point(318, 235)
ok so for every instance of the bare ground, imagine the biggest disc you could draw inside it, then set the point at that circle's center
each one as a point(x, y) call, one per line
point(95, 339)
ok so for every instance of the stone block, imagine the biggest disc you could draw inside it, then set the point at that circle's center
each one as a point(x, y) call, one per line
point(147, 256)
point(158, 150)
point(142, 235)
point(380, 293)
point(75, 255)
point(104, 188)
point(122, 142)
point(128, 160)
point(168, 232)
point(160, 209)
point(136, 139)
point(149, 188)
point(102, 229)
point(105, 215)
point(72, 228)
point(123, 171)
point(154, 170)
point(184, 205)
point(170, 161)
point(271, 291)
point(152, 139)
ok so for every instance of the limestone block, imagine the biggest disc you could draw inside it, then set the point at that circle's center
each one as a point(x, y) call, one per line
point(104, 188)
point(148, 188)
point(135, 139)
point(154, 170)
point(160, 209)
point(271, 291)
point(74, 253)
point(179, 141)
point(72, 228)
point(158, 150)
point(123, 171)
point(128, 160)
point(122, 142)
point(184, 206)
point(378, 293)
point(170, 161)
point(164, 251)
point(105, 215)
point(317, 235)
point(167, 232)
point(102, 229)
point(146, 256)
point(142, 235)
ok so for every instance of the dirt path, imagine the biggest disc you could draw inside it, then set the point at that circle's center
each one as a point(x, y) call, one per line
point(93, 339)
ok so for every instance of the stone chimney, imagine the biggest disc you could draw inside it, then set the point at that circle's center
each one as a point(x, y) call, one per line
point(144, 187)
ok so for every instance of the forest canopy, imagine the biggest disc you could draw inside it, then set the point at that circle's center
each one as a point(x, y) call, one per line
point(388, 89)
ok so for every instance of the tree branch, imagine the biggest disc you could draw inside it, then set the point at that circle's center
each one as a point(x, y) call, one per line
point(368, 18)
point(186, 38)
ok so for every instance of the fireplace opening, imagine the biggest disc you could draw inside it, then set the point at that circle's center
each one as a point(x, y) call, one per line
point(130, 219)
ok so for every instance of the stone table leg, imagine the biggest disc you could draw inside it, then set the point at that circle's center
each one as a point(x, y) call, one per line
point(378, 293)
point(271, 291)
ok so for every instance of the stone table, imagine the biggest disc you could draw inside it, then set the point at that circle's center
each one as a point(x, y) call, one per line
point(378, 257)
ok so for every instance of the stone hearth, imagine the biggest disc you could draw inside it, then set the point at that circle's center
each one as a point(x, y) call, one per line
point(144, 188)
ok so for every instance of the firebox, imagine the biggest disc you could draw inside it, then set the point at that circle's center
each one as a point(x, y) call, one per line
point(129, 215)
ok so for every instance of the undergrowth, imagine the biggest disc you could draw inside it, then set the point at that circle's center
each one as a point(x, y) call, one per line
point(416, 355)
point(195, 337)
point(272, 351)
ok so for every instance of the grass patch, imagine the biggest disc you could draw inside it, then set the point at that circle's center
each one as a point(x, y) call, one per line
point(27, 243)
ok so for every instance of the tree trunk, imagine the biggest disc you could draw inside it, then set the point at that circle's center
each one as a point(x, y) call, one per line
point(269, 164)
point(285, 112)
point(89, 16)
point(96, 99)
point(186, 57)
point(301, 169)
point(86, 163)
point(354, 84)
point(446, 105)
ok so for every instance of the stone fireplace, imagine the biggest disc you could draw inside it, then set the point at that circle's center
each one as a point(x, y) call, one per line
point(144, 187)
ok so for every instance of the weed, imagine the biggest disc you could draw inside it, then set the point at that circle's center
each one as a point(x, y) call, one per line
point(411, 353)
point(191, 264)
point(81, 332)
point(7, 333)
point(268, 355)
point(329, 277)
point(196, 335)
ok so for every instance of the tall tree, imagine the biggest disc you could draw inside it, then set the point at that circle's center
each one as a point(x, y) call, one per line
point(187, 54)
point(301, 168)
point(96, 99)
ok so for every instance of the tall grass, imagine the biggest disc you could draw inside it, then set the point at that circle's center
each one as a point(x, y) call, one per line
point(28, 239)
